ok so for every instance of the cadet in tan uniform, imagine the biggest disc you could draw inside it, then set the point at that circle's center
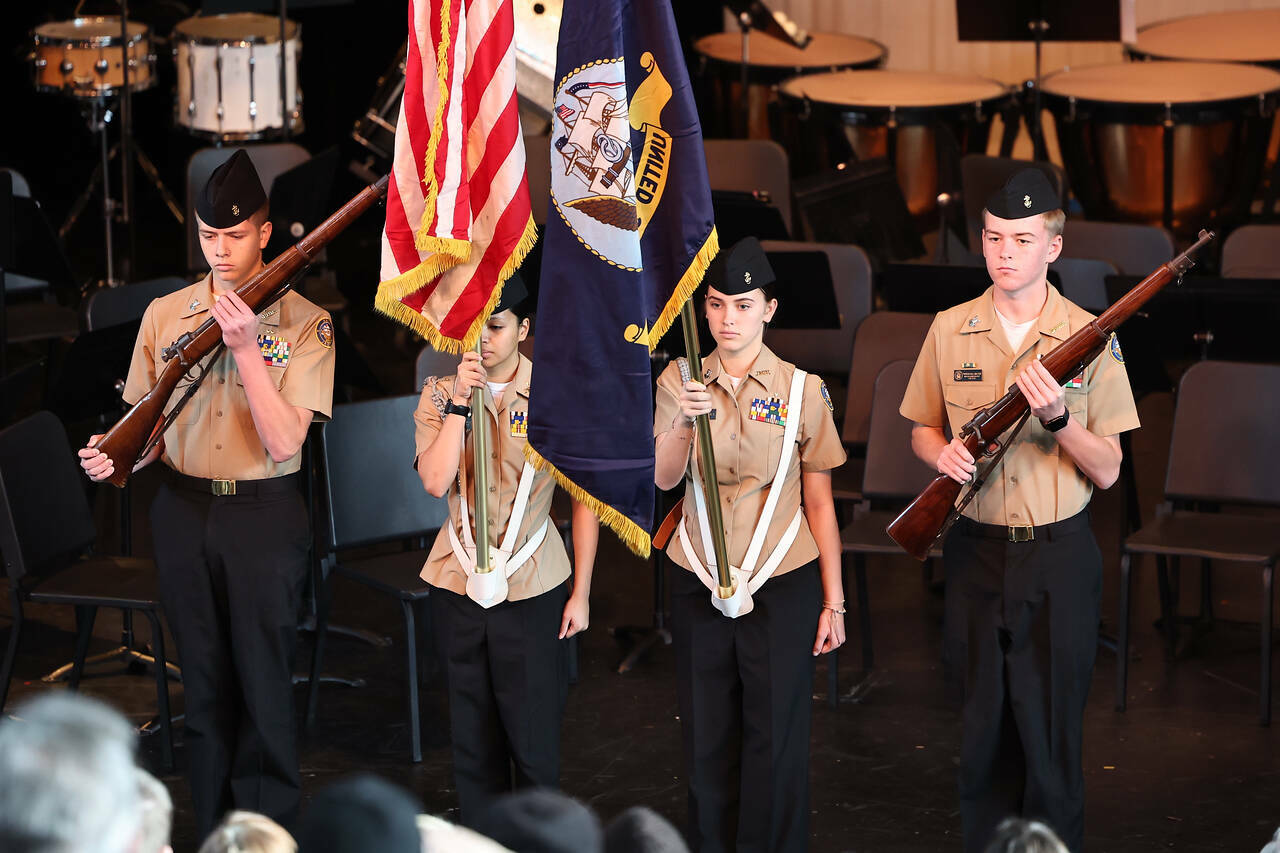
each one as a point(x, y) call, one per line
point(503, 641)
point(1023, 569)
point(230, 527)
point(745, 684)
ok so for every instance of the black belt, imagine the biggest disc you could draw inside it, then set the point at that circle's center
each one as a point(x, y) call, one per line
point(1024, 532)
point(235, 488)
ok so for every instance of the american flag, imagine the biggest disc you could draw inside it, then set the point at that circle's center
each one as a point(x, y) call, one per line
point(458, 213)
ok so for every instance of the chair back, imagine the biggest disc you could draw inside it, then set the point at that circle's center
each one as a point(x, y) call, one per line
point(111, 306)
point(433, 362)
point(269, 159)
point(45, 519)
point(893, 471)
point(980, 176)
point(1131, 249)
point(825, 351)
point(882, 337)
point(1252, 251)
point(747, 165)
point(1084, 281)
point(21, 189)
point(374, 493)
point(1223, 447)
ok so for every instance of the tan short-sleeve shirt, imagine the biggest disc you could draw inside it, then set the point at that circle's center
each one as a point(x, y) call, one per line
point(748, 447)
point(214, 435)
point(967, 363)
point(508, 422)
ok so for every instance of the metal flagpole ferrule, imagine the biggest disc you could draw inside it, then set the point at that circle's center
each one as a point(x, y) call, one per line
point(480, 446)
point(707, 465)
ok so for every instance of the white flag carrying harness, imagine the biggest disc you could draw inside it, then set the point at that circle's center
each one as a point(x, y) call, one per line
point(745, 579)
point(490, 588)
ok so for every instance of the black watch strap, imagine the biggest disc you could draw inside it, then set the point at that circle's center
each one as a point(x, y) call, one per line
point(1057, 423)
point(452, 408)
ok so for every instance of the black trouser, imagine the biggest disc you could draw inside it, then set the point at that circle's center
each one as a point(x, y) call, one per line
point(1023, 619)
point(746, 690)
point(231, 571)
point(508, 678)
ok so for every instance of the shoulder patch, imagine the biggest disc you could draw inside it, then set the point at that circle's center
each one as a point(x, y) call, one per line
point(1114, 349)
point(438, 398)
point(324, 333)
point(826, 395)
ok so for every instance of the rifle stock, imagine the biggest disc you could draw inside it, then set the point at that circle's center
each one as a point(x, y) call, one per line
point(919, 525)
point(132, 433)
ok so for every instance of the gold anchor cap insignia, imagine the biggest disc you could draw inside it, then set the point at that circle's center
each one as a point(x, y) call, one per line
point(1026, 201)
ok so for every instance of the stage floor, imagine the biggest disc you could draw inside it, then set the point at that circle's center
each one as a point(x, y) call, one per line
point(1187, 767)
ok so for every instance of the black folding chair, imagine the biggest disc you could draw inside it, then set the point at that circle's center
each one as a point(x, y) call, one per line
point(1222, 453)
point(46, 531)
point(374, 496)
point(892, 477)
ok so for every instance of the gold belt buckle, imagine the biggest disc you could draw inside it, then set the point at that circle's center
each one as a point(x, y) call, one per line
point(1017, 532)
point(222, 488)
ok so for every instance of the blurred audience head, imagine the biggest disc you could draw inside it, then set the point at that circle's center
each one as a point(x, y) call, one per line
point(1273, 846)
point(539, 820)
point(68, 778)
point(640, 829)
point(362, 813)
point(157, 814)
point(1016, 835)
point(248, 832)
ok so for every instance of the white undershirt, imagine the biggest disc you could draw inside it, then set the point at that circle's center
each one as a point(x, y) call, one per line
point(497, 389)
point(733, 380)
point(1015, 332)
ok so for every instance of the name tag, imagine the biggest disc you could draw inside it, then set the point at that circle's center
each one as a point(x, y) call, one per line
point(967, 374)
point(771, 410)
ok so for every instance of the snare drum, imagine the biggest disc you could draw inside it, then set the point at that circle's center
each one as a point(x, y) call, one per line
point(769, 62)
point(1173, 143)
point(229, 76)
point(922, 121)
point(82, 57)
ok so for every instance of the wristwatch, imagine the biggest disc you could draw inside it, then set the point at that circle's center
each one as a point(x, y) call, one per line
point(452, 408)
point(1057, 423)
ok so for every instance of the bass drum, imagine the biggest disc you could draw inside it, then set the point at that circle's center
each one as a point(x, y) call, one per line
point(83, 57)
point(769, 62)
point(1178, 144)
point(921, 121)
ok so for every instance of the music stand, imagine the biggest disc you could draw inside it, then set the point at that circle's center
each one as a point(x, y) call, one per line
point(753, 14)
point(1039, 21)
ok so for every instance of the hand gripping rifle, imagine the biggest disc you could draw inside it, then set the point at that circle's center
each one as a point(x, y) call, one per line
point(142, 427)
point(933, 512)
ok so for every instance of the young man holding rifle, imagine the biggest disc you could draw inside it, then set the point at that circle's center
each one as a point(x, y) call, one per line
point(1023, 569)
point(230, 527)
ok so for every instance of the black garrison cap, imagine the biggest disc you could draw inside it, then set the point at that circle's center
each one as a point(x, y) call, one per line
point(1026, 193)
point(513, 293)
point(741, 268)
point(232, 194)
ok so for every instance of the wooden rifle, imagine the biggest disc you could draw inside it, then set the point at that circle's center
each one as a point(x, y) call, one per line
point(932, 513)
point(142, 427)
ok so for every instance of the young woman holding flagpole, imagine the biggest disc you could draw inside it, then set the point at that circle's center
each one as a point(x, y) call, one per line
point(744, 655)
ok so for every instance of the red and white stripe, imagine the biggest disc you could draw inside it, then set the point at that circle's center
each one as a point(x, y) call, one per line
point(438, 275)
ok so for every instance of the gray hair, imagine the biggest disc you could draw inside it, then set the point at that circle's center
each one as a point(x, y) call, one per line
point(1016, 835)
point(157, 813)
point(67, 772)
point(248, 832)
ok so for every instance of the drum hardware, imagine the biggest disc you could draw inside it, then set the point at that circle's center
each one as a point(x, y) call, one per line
point(754, 14)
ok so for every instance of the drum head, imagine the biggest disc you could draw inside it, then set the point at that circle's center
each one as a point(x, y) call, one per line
point(244, 27)
point(1163, 82)
point(825, 50)
point(102, 30)
point(1252, 35)
point(876, 89)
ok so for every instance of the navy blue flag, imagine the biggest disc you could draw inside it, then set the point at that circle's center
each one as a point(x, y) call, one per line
point(629, 236)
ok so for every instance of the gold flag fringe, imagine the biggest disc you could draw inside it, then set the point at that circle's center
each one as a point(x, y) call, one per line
point(688, 284)
point(632, 535)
